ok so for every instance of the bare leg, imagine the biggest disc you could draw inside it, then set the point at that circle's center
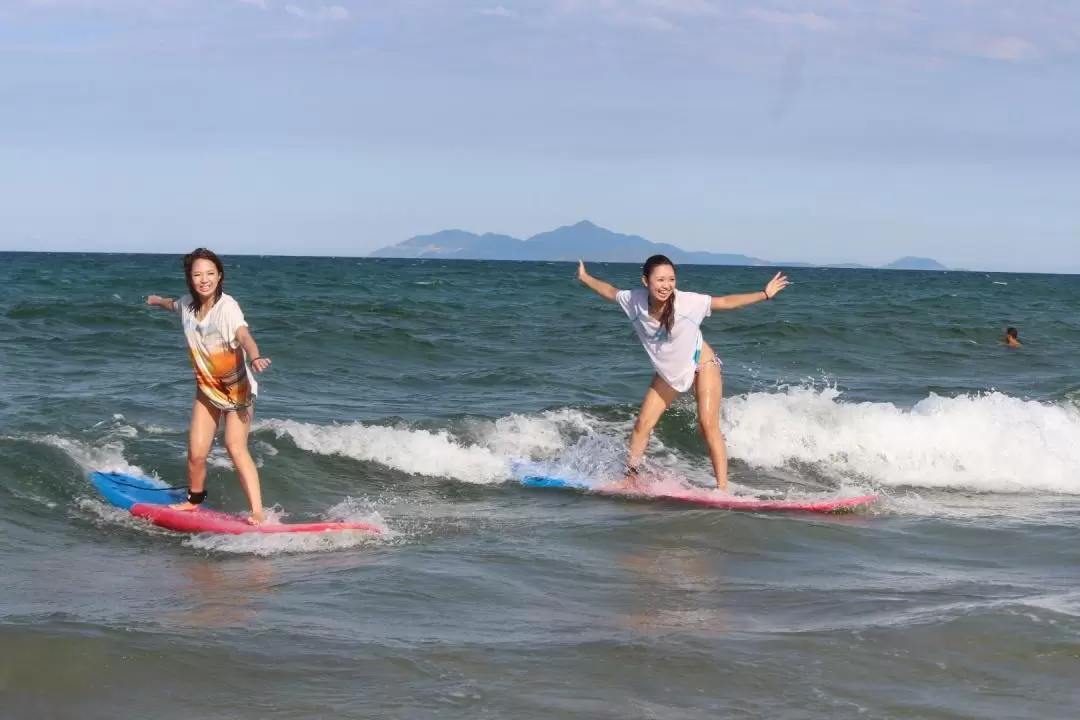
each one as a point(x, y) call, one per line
point(204, 422)
point(709, 387)
point(237, 426)
point(658, 398)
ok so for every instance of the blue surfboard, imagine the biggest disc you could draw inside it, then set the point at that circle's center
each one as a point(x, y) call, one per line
point(124, 490)
point(537, 475)
point(540, 481)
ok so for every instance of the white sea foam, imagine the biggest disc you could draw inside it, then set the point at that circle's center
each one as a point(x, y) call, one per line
point(349, 510)
point(109, 457)
point(986, 443)
point(482, 454)
point(991, 442)
point(105, 457)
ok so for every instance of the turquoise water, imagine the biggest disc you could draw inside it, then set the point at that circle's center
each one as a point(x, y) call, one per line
point(401, 393)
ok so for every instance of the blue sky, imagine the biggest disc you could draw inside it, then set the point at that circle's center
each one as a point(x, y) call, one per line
point(824, 130)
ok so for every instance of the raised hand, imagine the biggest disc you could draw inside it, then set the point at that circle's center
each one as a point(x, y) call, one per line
point(778, 283)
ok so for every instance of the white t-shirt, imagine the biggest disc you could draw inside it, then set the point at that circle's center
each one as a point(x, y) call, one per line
point(216, 356)
point(674, 355)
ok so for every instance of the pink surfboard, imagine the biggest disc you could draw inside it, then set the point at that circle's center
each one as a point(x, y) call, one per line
point(150, 498)
point(700, 498)
point(204, 520)
point(734, 502)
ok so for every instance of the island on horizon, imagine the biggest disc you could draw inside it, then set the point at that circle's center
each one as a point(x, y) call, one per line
point(595, 244)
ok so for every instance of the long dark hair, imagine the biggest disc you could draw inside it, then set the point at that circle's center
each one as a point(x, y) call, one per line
point(667, 315)
point(189, 260)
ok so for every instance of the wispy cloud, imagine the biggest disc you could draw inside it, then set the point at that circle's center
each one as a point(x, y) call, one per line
point(912, 33)
point(322, 13)
point(1009, 48)
point(918, 33)
point(644, 21)
point(659, 15)
point(152, 6)
point(498, 11)
point(681, 7)
point(809, 20)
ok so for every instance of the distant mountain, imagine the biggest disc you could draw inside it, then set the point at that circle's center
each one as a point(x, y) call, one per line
point(915, 263)
point(456, 244)
point(566, 243)
point(583, 240)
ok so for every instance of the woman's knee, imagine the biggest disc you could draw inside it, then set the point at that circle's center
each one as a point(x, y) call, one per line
point(196, 460)
point(710, 427)
point(236, 447)
point(644, 426)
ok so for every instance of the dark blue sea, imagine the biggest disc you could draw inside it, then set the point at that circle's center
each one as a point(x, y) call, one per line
point(402, 392)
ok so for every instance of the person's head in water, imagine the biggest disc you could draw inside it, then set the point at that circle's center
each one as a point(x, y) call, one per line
point(1012, 337)
point(658, 275)
point(205, 276)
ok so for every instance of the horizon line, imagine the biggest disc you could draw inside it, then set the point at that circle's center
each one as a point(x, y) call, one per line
point(797, 266)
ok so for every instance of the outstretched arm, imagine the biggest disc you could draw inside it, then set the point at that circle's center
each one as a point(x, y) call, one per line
point(731, 302)
point(258, 363)
point(167, 303)
point(601, 288)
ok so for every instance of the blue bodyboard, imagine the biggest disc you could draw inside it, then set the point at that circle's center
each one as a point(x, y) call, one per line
point(124, 490)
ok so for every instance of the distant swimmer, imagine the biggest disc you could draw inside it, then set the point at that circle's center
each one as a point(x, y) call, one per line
point(1012, 338)
point(668, 324)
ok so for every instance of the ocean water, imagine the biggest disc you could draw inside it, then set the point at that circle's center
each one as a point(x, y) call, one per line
point(401, 393)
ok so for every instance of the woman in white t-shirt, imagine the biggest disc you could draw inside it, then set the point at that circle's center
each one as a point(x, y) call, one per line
point(668, 323)
point(218, 340)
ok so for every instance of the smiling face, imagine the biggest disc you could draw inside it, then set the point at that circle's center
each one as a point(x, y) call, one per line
point(661, 283)
point(205, 278)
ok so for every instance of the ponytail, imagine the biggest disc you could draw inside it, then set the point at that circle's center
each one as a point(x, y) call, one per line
point(667, 315)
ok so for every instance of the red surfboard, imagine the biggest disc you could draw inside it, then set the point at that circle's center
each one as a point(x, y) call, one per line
point(149, 498)
point(213, 521)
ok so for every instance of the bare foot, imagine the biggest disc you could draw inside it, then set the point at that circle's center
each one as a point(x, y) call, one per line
point(256, 518)
point(184, 506)
point(630, 483)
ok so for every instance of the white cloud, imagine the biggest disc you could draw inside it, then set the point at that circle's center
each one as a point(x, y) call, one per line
point(638, 8)
point(149, 6)
point(912, 32)
point(681, 7)
point(642, 14)
point(808, 20)
point(1009, 48)
point(323, 13)
point(645, 21)
point(336, 13)
point(498, 11)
